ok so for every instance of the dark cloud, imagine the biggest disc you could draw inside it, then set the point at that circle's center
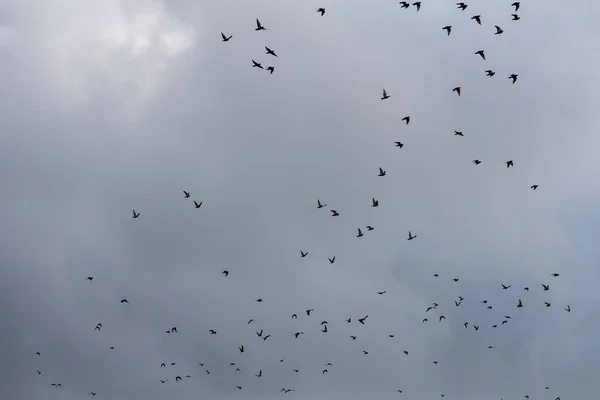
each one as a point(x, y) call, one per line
point(111, 107)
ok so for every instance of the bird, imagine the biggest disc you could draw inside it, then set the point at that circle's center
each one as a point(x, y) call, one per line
point(516, 5)
point(89, 278)
point(477, 18)
point(298, 334)
point(295, 316)
point(98, 327)
point(506, 287)
point(462, 6)
point(319, 205)
point(271, 52)
point(92, 393)
point(266, 337)
point(362, 320)
point(309, 311)
point(303, 254)
point(375, 202)
point(225, 39)
point(259, 26)
point(547, 304)
point(554, 274)
point(441, 318)
point(406, 119)
point(197, 205)
point(476, 162)
point(177, 378)
point(410, 236)
point(417, 4)
point(324, 330)
point(124, 301)
point(256, 65)
point(271, 69)
point(352, 337)
point(321, 10)
point(381, 172)
point(212, 331)
point(174, 329)
point(509, 164)
point(259, 333)
point(458, 133)
point(481, 53)
point(568, 308)
point(457, 90)
point(241, 348)
point(365, 352)
point(513, 77)
point(498, 30)
point(250, 321)
point(135, 215)
point(225, 272)
point(534, 187)
point(380, 293)
point(332, 260)
point(455, 279)
point(404, 4)
point(369, 228)
point(448, 29)
point(520, 304)
point(515, 17)
point(334, 213)
point(489, 72)
point(360, 234)
point(545, 287)
point(38, 372)
point(259, 300)
point(259, 374)
point(385, 95)
point(161, 381)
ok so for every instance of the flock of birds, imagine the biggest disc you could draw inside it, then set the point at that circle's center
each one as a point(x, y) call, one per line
point(324, 325)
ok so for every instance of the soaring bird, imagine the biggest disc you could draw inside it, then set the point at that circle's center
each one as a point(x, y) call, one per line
point(362, 320)
point(457, 90)
point(406, 119)
point(375, 202)
point(462, 6)
point(506, 287)
point(554, 274)
point(271, 52)
point(417, 4)
point(256, 65)
point(448, 29)
point(385, 95)
point(271, 69)
point(509, 164)
point(476, 162)
point(89, 278)
point(410, 236)
point(319, 205)
point(481, 53)
point(477, 18)
point(135, 215)
point(360, 234)
point(225, 39)
point(334, 213)
point(489, 72)
point(513, 77)
point(332, 260)
point(404, 4)
point(369, 228)
point(322, 11)
point(498, 30)
point(515, 17)
point(516, 5)
point(381, 172)
point(225, 272)
point(303, 254)
point(458, 133)
point(259, 26)
point(309, 311)
point(124, 301)
point(197, 205)
point(380, 293)
point(568, 308)
point(241, 348)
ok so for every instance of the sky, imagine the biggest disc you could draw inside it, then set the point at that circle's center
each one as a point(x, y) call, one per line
point(109, 105)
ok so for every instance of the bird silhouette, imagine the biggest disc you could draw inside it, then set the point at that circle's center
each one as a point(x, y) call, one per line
point(224, 39)
point(513, 77)
point(457, 90)
point(321, 10)
point(385, 95)
point(448, 29)
point(259, 26)
point(477, 18)
point(135, 215)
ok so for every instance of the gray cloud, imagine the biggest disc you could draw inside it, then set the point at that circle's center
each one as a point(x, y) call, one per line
point(110, 107)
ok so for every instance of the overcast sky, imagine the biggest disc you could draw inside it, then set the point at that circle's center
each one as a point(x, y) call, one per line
point(111, 105)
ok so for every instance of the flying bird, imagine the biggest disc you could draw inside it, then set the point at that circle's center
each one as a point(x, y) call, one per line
point(481, 53)
point(89, 278)
point(271, 52)
point(256, 65)
point(381, 172)
point(322, 11)
point(259, 26)
point(360, 234)
point(477, 18)
point(498, 30)
point(319, 205)
point(369, 228)
point(417, 4)
point(457, 90)
point(513, 77)
point(334, 213)
point(225, 39)
point(271, 69)
point(516, 5)
point(332, 260)
point(309, 311)
point(509, 164)
point(462, 6)
point(385, 95)
point(303, 254)
point(404, 4)
point(406, 119)
point(380, 293)
point(225, 272)
point(410, 236)
point(476, 162)
point(515, 17)
point(458, 133)
point(135, 215)
point(448, 29)
point(124, 301)
point(197, 205)
point(375, 202)
point(489, 72)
